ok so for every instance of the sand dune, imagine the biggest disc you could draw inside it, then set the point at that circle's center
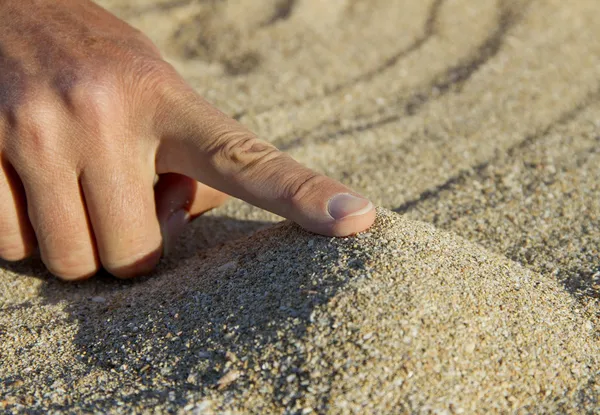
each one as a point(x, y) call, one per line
point(474, 124)
point(404, 318)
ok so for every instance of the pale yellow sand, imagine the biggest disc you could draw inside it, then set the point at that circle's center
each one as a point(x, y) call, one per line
point(481, 118)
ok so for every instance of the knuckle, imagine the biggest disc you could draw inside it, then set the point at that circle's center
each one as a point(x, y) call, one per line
point(111, 93)
point(154, 69)
point(244, 150)
point(36, 113)
point(136, 249)
point(133, 264)
point(155, 78)
point(69, 256)
point(35, 123)
point(71, 267)
point(13, 248)
point(304, 184)
point(95, 98)
point(13, 84)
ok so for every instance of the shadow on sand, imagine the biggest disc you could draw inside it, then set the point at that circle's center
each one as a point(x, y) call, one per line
point(181, 329)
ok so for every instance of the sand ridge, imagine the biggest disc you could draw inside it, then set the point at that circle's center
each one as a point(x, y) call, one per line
point(403, 318)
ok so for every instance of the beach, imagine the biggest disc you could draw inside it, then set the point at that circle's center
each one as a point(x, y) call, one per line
point(475, 129)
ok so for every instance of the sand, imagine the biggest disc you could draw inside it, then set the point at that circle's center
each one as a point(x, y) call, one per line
point(474, 125)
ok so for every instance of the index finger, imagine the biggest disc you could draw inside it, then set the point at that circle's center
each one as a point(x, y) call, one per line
point(199, 141)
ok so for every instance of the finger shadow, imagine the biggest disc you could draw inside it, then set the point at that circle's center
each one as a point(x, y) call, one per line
point(204, 233)
point(175, 332)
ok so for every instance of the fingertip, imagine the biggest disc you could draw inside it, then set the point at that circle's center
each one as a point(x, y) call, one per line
point(345, 205)
point(353, 224)
point(344, 219)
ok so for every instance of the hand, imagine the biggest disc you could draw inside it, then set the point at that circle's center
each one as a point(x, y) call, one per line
point(90, 114)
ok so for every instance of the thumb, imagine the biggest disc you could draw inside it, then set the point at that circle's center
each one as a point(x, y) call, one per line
point(199, 141)
point(180, 200)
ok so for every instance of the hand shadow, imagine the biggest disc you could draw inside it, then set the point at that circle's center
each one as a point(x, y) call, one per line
point(204, 233)
point(175, 331)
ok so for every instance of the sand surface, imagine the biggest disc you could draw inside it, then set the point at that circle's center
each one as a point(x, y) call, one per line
point(474, 124)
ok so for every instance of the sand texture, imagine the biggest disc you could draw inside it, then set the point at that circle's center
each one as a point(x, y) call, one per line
point(474, 124)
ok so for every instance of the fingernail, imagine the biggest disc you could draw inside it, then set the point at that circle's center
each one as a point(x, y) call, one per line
point(173, 228)
point(345, 205)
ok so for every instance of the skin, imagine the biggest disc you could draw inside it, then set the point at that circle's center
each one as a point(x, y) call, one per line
point(91, 116)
